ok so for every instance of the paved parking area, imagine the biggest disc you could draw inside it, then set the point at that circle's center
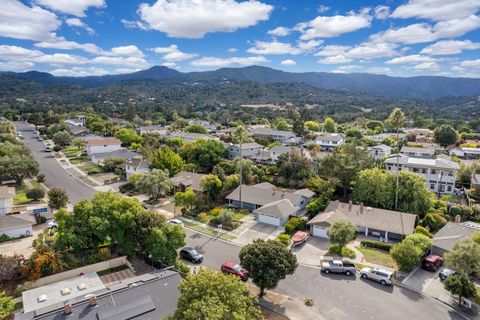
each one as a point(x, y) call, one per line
point(420, 279)
point(256, 231)
point(310, 252)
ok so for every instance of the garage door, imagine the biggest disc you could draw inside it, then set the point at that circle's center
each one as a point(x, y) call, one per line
point(319, 231)
point(274, 221)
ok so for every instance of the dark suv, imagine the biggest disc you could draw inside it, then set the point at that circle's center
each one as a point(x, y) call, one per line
point(191, 255)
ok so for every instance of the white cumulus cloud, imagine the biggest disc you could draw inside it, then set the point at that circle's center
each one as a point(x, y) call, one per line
point(173, 54)
point(76, 22)
point(288, 62)
point(195, 18)
point(339, 59)
point(62, 44)
point(437, 9)
point(73, 7)
point(224, 62)
point(279, 32)
point(449, 47)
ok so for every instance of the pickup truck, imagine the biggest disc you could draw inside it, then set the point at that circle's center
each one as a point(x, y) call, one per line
point(338, 266)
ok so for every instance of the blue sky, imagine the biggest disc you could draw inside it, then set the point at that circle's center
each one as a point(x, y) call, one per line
point(95, 37)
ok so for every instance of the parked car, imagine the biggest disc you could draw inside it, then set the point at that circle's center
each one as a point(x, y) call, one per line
point(39, 138)
point(376, 274)
point(338, 266)
point(445, 273)
point(432, 262)
point(191, 255)
point(235, 269)
point(175, 222)
point(299, 237)
point(52, 224)
point(48, 148)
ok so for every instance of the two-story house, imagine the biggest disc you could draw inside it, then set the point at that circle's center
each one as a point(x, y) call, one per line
point(439, 174)
point(275, 135)
point(248, 150)
point(329, 141)
point(379, 151)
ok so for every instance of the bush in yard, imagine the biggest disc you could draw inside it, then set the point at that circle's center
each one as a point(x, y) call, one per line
point(434, 220)
point(424, 231)
point(384, 246)
point(226, 219)
point(461, 286)
point(284, 239)
point(346, 252)
point(203, 217)
point(342, 232)
point(35, 194)
point(294, 224)
point(4, 237)
point(7, 306)
point(409, 252)
point(182, 267)
point(215, 212)
point(41, 178)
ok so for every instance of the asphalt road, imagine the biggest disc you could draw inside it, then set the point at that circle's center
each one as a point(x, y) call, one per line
point(55, 174)
point(337, 297)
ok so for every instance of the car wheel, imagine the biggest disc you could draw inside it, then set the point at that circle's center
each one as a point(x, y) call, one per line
point(326, 271)
point(348, 273)
point(364, 276)
point(383, 282)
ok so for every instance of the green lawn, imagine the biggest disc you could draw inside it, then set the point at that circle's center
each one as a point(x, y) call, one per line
point(71, 151)
point(20, 196)
point(77, 160)
point(240, 214)
point(36, 184)
point(377, 257)
point(91, 169)
point(207, 230)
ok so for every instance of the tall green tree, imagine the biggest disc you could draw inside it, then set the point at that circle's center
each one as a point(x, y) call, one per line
point(267, 262)
point(374, 187)
point(211, 185)
point(329, 124)
point(166, 158)
point(395, 120)
point(195, 128)
point(445, 135)
point(155, 183)
point(281, 124)
point(205, 154)
point(464, 257)
point(313, 126)
point(57, 198)
point(461, 286)
point(342, 232)
point(16, 161)
point(211, 295)
point(409, 252)
point(344, 164)
point(186, 199)
point(62, 138)
point(163, 242)
point(128, 136)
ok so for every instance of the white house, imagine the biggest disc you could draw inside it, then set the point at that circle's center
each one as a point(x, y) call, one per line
point(418, 152)
point(248, 150)
point(210, 127)
point(379, 151)
point(329, 141)
point(13, 225)
point(124, 154)
point(137, 165)
point(102, 145)
point(190, 136)
point(439, 174)
point(160, 130)
point(276, 135)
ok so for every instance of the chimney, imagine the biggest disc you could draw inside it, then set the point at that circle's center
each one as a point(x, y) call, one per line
point(361, 207)
point(93, 301)
point(68, 308)
point(458, 219)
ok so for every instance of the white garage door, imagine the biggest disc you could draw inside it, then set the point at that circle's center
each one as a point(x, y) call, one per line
point(319, 231)
point(274, 221)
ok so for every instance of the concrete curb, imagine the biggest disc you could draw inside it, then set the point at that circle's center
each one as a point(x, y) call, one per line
point(217, 238)
point(74, 177)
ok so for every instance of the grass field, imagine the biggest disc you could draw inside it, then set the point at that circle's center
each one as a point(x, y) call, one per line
point(91, 169)
point(20, 196)
point(71, 151)
point(208, 231)
point(77, 160)
point(377, 257)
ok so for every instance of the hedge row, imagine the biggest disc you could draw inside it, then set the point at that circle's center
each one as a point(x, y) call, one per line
point(385, 246)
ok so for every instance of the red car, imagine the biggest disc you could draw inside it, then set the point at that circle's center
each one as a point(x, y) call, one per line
point(235, 269)
point(432, 262)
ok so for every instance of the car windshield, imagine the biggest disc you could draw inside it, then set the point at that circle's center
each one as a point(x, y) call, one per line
point(194, 252)
point(237, 268)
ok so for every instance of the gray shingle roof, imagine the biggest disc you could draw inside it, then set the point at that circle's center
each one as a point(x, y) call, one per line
point(11, 222)
point(329, 136)
point(429, 151)
point(280, 208)
point(375, 218)
point(260, 195)
point(452, 233)
point(122, 153)
point(188, 179)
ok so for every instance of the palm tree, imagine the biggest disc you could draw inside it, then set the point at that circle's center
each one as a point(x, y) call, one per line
point(395, 120)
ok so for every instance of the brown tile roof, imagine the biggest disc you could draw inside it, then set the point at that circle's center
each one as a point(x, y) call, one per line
point(374, 218)
point(96, 142)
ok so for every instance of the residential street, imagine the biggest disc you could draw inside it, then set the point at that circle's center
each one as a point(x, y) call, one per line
point(56, 175)
point(336, 296)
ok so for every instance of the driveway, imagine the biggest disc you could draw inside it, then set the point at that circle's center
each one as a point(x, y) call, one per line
point(310, 252)
point(56, 175)
point(257, 231)
point(23, 245)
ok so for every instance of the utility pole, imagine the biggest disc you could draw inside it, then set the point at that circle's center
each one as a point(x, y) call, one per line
point(398, 169)
point(241, 172)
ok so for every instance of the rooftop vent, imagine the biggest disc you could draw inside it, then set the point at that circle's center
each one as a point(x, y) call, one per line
point(42, 298)
point(82, 286)
point(65, 291)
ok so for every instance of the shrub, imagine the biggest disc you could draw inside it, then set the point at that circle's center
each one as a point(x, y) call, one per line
point(4, 237)
point(182, 267)
point(424, 231)
point(35, 194)
point(284, 239)
point(295, 224)
point(384, 246)
point(346, 252)
point(215, 212)
point(41, 178)
point(203, 217)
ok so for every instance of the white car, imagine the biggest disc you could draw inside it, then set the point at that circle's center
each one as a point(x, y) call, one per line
point(175, 222)
point(52, 224)
point(377, 274)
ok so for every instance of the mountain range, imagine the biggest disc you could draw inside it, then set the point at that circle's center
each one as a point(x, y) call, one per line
point(421, 87)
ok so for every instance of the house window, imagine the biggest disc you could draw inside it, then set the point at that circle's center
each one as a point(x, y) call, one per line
point(434, 171)
point(432, 186)
point(415, 170)
point(449, 188)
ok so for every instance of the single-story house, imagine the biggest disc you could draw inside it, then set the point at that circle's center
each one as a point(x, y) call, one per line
point(248, 149)
point(418, 152)
point(190, 136)
point(87, 297)
point(77, 131)
point(276, 135)
point(137, 165)
point(16, 225)
point(124, 154)
point(266, 197)
point(452, 233)
point(102, 145)
point(187, 180)
point(385, 224)
point(161, 130)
